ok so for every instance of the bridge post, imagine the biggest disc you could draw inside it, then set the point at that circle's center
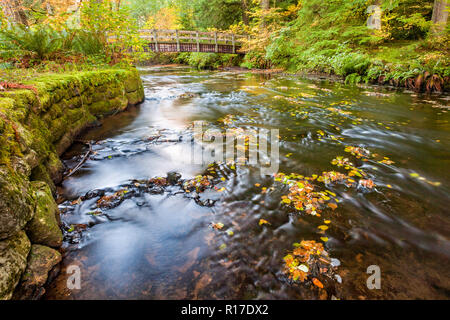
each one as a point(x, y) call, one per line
point(178, 41)
point(155, 35)
point(198, 43)
point(216, 49)
point(234, 43)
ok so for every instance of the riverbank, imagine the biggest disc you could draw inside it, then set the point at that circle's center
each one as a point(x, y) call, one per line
point(420, 82)
point(39, 120)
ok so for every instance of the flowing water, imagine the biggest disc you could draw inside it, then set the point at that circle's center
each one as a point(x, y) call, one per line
point(134, 237)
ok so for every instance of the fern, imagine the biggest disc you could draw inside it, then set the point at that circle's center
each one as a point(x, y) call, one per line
point(88, 43)
point(40, 41)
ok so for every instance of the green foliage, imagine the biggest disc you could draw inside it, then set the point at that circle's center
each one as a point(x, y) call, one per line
point(255, 60)
point(39, 41)
point(202, 60)
point(88, 43)
point(348, 62)
point(332, 37)
point(220, 14)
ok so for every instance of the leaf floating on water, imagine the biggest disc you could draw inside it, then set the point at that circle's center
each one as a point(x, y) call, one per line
point(218, 225)
point(323, 227)
point(230, 233)
point(324, 239)
point(303, 267)
point(223, 246)
point(332, 205)
point(414, 175)
point(94, 213)
point(262, 222)
point(317, 283)
point(367, 183)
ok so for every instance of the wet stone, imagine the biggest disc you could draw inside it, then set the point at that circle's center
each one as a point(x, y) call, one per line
point(13, 261)
point(41, 261)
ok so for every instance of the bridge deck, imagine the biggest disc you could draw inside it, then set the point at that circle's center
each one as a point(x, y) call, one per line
point(191, 41)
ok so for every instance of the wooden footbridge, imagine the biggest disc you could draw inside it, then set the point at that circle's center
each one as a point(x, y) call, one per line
point(191, 41)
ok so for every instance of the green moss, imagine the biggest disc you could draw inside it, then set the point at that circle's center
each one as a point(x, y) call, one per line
point(13, 254)
point(43, 228)
point(16, 201)
point(66, 104)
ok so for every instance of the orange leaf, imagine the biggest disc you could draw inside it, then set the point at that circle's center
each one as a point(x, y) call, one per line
point(317, 283)
point(332, 205)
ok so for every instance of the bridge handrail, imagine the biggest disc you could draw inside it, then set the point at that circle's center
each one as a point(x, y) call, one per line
point(158, 35)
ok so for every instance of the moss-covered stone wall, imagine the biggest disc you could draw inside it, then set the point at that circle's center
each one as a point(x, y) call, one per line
point(36, 127)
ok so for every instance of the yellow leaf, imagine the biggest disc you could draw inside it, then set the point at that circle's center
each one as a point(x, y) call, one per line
point(323, 227)
point(262, 221)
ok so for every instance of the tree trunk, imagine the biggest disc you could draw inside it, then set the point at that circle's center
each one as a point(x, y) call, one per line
point(265, 5)
point(440, 15)
point(244, 12)
point(14, 9)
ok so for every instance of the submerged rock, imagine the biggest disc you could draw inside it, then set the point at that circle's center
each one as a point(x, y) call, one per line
point(173, 177)
point(41, 261)
point(187, 95)
point(13, 261)
point(44, 228)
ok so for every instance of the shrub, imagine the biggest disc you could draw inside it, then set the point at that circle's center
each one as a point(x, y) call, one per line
point(88, 43)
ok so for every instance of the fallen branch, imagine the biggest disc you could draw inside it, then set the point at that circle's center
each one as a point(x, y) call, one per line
point(83, 160)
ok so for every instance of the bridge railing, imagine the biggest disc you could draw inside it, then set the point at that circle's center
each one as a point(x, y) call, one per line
point(196, 37)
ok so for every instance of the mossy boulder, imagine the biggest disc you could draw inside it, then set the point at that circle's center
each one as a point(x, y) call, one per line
point(41, 261)
point(13, 261)
point(43, 228)
point(16, 202)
